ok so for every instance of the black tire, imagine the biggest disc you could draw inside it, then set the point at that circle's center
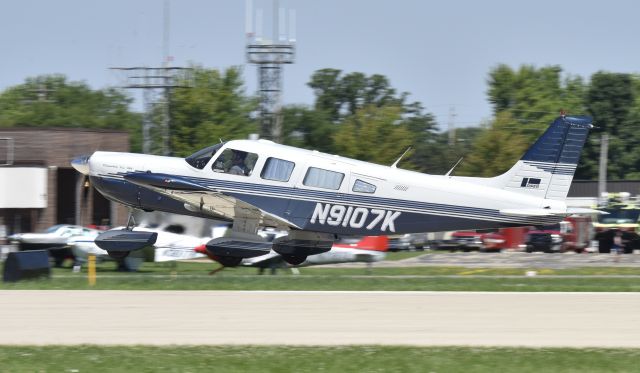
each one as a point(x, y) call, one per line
point(294, 259)
point(118, 255)
point(229, 261)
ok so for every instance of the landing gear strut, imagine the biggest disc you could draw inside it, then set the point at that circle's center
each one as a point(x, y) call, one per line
point(120, 255)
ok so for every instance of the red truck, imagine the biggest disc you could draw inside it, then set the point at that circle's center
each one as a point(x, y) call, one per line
point(504, 238)
point(572, 234)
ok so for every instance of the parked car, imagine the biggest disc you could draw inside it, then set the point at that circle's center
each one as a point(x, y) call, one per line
point(400, 243)
point(461, 240)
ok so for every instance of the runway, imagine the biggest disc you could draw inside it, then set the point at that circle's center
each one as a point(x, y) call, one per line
point(320, 318)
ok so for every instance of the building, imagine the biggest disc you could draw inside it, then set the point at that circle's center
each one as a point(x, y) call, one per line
point(38, 186)
point(589, 188)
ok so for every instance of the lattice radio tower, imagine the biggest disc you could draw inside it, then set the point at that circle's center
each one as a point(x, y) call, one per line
point(156, 84)
point(269, 56)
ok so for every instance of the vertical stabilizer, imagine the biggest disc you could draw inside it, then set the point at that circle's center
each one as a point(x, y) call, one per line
point(547, 168)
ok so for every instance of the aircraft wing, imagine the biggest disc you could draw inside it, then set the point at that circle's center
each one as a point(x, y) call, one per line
point(206, 200)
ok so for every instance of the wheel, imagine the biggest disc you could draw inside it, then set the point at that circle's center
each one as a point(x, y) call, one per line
point(294, 259)
point(229, 261)
point(117, 255)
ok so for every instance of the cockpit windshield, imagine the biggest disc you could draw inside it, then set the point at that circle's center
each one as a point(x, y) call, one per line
point(200, 158)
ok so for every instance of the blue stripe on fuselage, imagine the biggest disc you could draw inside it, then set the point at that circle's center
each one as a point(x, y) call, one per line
point(297, 205)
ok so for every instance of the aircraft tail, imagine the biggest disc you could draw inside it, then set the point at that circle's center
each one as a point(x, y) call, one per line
point(547, 168)
point(373, 243)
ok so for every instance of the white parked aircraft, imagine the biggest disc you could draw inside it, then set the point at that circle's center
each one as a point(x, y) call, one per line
point(314, 196)
point(55, 239)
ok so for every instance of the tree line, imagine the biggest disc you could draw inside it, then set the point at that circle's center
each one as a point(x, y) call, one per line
point(361, 116)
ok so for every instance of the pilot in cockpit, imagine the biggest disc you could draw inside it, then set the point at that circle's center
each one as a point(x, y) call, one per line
point(238, 166)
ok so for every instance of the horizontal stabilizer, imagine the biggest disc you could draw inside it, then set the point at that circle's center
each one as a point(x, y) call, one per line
point(583, 211)
point(532, 212)
point(549, 212)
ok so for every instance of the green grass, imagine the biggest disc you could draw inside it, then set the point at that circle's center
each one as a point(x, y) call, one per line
point(194, 276)
point(313, 359)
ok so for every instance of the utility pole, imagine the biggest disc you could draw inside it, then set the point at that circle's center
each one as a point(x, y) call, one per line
point(156, 84)
point(269, 56)
point(602, 170)
point(452, 126)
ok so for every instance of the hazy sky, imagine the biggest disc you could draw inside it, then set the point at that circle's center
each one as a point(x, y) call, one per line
point(440, 52)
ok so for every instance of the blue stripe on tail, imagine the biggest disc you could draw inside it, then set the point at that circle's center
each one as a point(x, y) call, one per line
point(562, 142)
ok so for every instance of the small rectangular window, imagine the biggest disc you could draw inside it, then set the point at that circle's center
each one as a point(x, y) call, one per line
point(277, 169)
point(363, 187)
point(319, 178)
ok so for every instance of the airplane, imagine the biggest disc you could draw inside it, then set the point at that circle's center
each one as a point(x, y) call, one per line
point(55, 239)
point(369, 249)
point(316, 196)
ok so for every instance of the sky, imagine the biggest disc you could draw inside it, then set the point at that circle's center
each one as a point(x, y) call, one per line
point(439, 51)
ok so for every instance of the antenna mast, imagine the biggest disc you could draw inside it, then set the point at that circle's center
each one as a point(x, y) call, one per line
point(269, 56)
point(156, 84)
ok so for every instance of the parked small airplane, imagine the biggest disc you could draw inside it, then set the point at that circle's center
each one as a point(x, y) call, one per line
point(168, 246)
point(369, 249)
point(55, 240)
point(314, 196)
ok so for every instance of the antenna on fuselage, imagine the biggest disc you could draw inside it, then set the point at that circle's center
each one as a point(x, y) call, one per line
point(454, 167)
point(395, 164)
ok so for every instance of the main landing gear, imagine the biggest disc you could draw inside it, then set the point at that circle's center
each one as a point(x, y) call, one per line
point(120, 242)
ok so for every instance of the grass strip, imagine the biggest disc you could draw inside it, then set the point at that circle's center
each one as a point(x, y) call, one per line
point(194, 276)
point(89, 358)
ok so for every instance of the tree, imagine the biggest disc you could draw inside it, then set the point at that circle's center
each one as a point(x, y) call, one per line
point(308, 128)
point(610, 100)
point(214, 109)
point(374, 134)
point(340, 96)
point(495, 150)
point(525, 102)
point(52, 101)
point(358, 109)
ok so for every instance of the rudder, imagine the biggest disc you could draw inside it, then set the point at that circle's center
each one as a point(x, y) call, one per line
point(547, 168)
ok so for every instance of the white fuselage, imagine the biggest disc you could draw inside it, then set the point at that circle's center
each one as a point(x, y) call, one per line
point(403, 201)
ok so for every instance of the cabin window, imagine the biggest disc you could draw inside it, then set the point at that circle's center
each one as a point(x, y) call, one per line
point(200, 158)
point(235, 162)
point(363, 187)
point(277, 169)
point(319, 178)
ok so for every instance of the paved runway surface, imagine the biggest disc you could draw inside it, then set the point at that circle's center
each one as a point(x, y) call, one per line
point(320, 318)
